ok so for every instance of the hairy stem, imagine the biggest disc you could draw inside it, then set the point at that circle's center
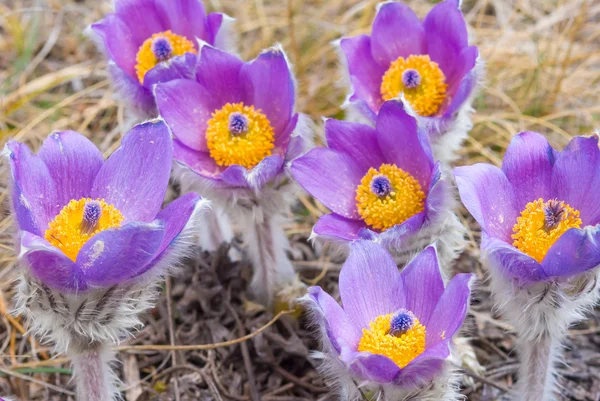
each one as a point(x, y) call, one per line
point(216, 230)
point(94, 377)
point(536, 375)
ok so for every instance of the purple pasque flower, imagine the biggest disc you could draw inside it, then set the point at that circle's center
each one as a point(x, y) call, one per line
point(153, 41)
point(429, 63)
point(233, 126)
point(394, 327)
point(380, 183)
point(86, 223)
point(539, 212)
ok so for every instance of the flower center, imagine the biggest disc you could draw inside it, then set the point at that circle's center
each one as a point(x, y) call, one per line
point(399, 336)
point(79, 221)
point(158, 48)
point(239, 134)
point(541, 224)
point(388, 196)
point(420, 79)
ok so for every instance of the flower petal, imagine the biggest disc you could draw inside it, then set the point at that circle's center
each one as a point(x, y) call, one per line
point(370, 284)
point(119, 254)
point(450, 311)
point(331, 177)
point(400, 235)
point(135, 177)
point(181, 67)
point(377, 368)
point(576, 177)
point(185, 17)
point(269, 86)
point(142, 17)
point(359, 141)
point(336, 227)
point(119, 42)
point(423, 284)
point(425, 367)
point(289, 143)
point(219, 74)
point(397, 32)
point(34, 195)
point(175, 216)
point(466, 62)
point(73, 162)
point(137, 97)
point(489, 197)
point(528, 165)
point(461, 89)
point(265, 171)
point(200, 162)
point(438, 194)
point(402, 143)
point(576, 251)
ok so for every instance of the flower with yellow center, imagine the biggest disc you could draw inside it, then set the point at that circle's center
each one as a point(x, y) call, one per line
point(79, 221)
point(541, 224)
point(388, 196)
point(420, 80)
point(158, 48)
point(399, 336)
point(239, 134)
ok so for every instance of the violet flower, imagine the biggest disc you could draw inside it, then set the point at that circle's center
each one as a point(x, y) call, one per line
point(381, 184)
point(429, 64)
point(393, 335)
point(94, 241)
point(152, 41)
point(539, 216)
point(234, 130)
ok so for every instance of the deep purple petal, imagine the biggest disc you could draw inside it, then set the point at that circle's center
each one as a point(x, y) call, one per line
point(50, 265)
point(450, 311)
point(119, 42)
point(142, 17)
point(528, 165)
point(235, 176)
point(340, 330)
point(199, 162)
point(214, 21)
point(288, 143)
point(576, 177)
point(219, 73)
point(377, 368)
point(73, 162)
point(424, 367)
point(359, 141)
point(265, 171)
point(423, 284)
point(402, 143)
point(136, 96)
point(437, 194)
point(489, 197)
point(115, 255)
point(269, 86)
point(175, 216)
point(331, 177)
point(365, 72)
point(466, 62)
point(184, 17)
point(34, 194)
point(464, 84)
point(181, 67)
point(397, 32)
point(397, 236)
point(336, 227)
point(370, 284)
point(576, 251)
point(135, 177)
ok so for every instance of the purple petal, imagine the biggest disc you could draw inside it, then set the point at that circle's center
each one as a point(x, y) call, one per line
point(265, 171)
point(200, 162)
point(142, 17)
point(576, 177)
point(377, 368)
point(528, 165)
point(269, 87)
point(219, 74)
point(340, 330)
point(214, 21)
point(397, 32)
point(402, 143)
point(359, 141)
point(365, 72)
point(235, 176)
point(331, 177)
point(489, 197)
point(438, 194)
point(135, 177)
point(73, 162)
point(446, 36)
point(423, 284)
point(34, 194)
point(397, 236)
point(50, 265)
point(181, 67)
point(115, 255)
point(119, 42)
point(175, 216)
point(336, 227)
point(576, 251)
point(463, 85)
point(370, 284)
point(288, 143)
point(136, 96)
point(450, 311)
point(184, 17)
point(466, 62)
point(424, 367)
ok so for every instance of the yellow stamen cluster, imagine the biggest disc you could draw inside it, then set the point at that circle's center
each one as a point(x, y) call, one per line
point(146, 59)
point(68, 231)
point(401, 349)
point(404, 201)
point(246, 149)
point(427, 97)
point(541, 224)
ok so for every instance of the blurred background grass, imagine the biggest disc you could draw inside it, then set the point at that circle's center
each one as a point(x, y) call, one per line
point(542, 62)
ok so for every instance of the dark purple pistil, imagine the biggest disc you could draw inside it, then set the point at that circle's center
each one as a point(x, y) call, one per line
point(381, 186)
point(162, 49)
point(554, 213)
point(411, 78)
point(401, 322)
point(238, 124)
point(91, 216)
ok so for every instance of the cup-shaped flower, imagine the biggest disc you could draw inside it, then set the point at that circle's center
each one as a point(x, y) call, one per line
point(233, 125)
point(395, 327)
point(152, 41)
point(430, 63)
point(380, 183)
point(539, 212)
